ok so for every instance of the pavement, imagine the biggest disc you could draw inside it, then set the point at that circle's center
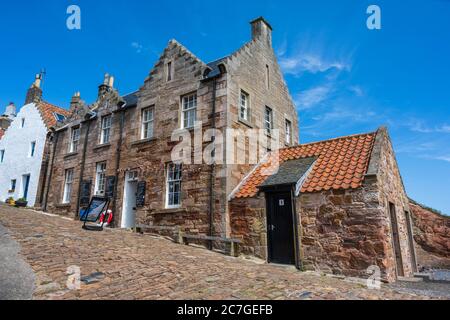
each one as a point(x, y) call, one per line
point(128, 266)
point(16, 276)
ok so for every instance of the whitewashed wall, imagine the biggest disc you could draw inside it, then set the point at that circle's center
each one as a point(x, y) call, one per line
point(17, 161)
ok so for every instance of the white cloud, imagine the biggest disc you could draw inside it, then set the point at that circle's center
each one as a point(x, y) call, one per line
point(312, 97)
point(420, 126)
point(445, 158)
point(357, 90)
point(312, 63)
point(137, 46)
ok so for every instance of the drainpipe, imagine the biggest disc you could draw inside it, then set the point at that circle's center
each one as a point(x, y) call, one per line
point(83, 160)
point(44, 168)
point(213, 167)
point(118, 156)
point(56, 138)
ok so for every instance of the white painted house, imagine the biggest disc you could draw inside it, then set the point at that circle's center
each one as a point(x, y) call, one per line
point(22, 146)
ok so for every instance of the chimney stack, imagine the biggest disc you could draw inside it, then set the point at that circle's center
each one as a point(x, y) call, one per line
point(262, 30)
point(34, 94)
point(75, 102)
point(11, 111)
point(108, 83)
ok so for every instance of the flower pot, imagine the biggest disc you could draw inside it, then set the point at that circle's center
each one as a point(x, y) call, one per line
point(21, 204)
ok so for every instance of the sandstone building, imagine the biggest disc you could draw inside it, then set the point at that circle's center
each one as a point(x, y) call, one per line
point(241, 91)
point(336, 205)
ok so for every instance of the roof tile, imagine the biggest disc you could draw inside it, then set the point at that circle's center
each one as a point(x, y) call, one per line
point(341, 164)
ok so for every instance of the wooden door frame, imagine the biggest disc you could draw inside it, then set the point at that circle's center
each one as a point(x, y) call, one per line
point(269, 194)
point(393, 218)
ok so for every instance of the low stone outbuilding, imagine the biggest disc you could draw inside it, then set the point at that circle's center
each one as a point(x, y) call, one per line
point(337, 206)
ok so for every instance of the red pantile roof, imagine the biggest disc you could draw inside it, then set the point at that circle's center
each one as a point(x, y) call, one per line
point(48, 111)
point(341, 164)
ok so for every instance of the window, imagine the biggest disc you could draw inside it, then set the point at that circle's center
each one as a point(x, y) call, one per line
point(147, 123)
point(173, 185)
point(74, 139)
point(13, 185)
point(288, 132)
point(32, 149)
point(189, 113)
point(59, 117)
point(68, 186)
point(268, 120)
point(22, 125)
point(267, 78)
point(244, 106)
point(100, 179)
point(106, 129)
point(2, 155)
point(169, 71)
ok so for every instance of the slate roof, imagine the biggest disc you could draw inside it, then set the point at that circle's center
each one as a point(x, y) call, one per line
point(48, 111)
point(341, 164)
point(131, 99)
point(290, 172)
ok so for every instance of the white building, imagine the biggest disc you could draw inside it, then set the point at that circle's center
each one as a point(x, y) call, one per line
point(22, 146)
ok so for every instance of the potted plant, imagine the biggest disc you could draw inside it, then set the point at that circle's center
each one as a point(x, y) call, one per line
point(10, 201)
point(22, 203)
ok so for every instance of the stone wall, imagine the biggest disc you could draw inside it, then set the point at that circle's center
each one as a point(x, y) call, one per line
point(392, 191)
point(432, 235)
point(343, 231)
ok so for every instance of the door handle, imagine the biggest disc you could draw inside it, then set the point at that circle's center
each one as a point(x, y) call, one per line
point(272, 227)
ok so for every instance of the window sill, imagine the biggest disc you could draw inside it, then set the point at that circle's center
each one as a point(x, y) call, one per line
point(143, 141)
point(102, 146)
point(245, 122)
point(70, 154)
point(170, 211)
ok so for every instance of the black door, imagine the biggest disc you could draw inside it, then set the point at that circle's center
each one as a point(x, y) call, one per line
point(280, 228)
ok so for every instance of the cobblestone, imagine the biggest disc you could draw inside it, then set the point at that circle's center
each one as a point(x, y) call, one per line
point(144, 267)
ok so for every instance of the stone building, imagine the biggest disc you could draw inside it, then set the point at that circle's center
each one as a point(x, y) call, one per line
point(85, 150)
point(24, 146)
point(182, 95)
point(337, 206)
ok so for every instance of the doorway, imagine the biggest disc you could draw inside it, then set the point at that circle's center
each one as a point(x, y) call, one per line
point(280, 228)
point(412, 249)
point(26, 185)
point(396, 241)
point(129, 201)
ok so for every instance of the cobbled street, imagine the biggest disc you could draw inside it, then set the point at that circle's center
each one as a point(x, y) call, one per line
point(145, 267)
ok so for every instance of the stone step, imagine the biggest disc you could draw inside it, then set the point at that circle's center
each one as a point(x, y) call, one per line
point(410, 279)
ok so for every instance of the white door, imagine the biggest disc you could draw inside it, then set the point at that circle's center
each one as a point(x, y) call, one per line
point(129, 201)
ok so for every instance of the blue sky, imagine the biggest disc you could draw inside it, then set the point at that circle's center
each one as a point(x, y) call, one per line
point(344, 78)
